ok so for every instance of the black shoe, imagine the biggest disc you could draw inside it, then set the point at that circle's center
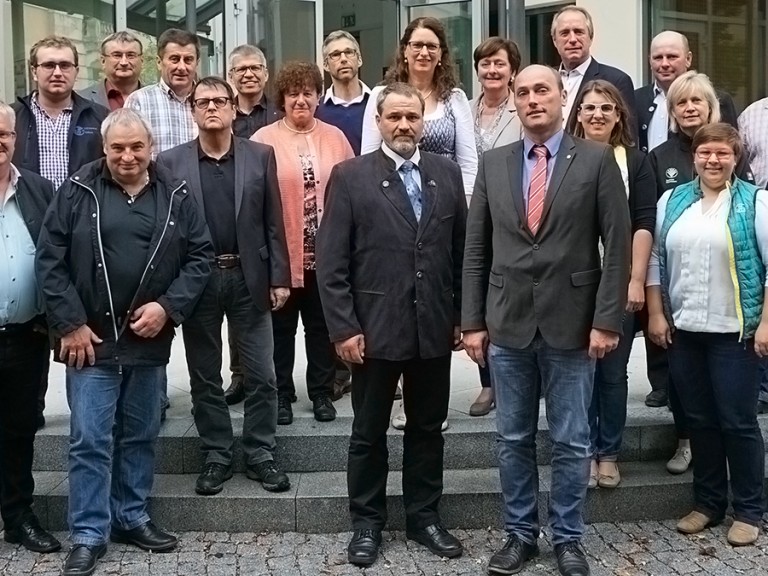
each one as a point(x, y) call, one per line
point(512, 556)
point(571, 559)
point(270, 476)
point(437, 539)
point(762, 407)
point(324, 409)
point(656, 399)
point(284, 410)
point(147, 537)
point(212, 478)
point(236, 391)
point(32, 536)
point(363, 549)
point(341, 387)
point(82, 559)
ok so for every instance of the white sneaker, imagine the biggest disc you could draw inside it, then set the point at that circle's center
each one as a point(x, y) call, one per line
point(680, 461)
point(398, 420)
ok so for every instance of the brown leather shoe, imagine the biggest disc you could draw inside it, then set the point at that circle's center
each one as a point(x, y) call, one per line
point(693, 523)
point(742, 534)
point(608, 475)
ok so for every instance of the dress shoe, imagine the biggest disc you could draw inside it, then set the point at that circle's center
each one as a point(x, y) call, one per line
point(32, 536)
point(571, 559)
point(656, 399)
point(235, 393)
point(270, 476)
point(363, 549)
point(212, 478)
point(680, 461)
point(512, 556)
point(608, 475)
point(147, 537)
point(284, 411)
point(82, 559)
point(324, 409)
point(439, 541)
point(341, 387)
point(594, 472)
point(694, 522)
point(742, 534)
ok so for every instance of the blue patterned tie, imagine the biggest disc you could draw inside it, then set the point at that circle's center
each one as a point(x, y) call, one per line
point(414, 194)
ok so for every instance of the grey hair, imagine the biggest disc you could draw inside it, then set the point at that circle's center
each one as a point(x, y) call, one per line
point(339, 35)
point(247, 50)
point(688, 84)
point(125, 117)
point(122, 36)
point(401, 89)
point(9, 113)
point(573, 8)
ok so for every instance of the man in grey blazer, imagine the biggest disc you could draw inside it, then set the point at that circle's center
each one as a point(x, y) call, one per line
point(539, 307)
point(121, 59)
point(234, 181)
point(389, 254)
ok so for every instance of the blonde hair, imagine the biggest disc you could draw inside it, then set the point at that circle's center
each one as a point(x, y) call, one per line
point(689, 84)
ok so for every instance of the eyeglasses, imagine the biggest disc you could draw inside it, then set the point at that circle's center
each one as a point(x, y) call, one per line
point(253, 69)
point(590, 109)
point(51, 66)
point(4, 136)
point(130, 56)
point(719, 154)
point(219, 102)
point(336, 55)
point(419, 46)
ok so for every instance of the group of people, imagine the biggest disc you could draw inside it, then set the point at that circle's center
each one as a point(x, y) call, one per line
point(129, 210)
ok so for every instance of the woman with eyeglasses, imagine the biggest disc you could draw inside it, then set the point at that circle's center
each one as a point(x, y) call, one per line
point(603, 117)
point(306, 149)
point(706, 288)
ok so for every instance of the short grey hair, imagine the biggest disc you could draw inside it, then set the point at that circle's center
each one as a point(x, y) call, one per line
point(401, 89)
point(573, 8)
point(689, 84)
point(122, 36)
point(9, 113)
point(247, 50)
point(339, 35)
point(125, 117)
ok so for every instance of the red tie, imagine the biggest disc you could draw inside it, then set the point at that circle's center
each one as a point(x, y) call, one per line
point(537, 189)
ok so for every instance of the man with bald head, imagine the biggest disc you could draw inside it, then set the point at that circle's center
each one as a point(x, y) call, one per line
point(670, 57)
point(537, 304)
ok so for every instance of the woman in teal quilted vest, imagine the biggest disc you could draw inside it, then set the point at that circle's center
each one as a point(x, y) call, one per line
point(705, 291)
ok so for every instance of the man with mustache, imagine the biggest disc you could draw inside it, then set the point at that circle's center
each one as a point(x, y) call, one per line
point(121, 60)
point(389, 255)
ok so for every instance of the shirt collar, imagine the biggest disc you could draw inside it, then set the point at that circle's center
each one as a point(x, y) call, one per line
point(201, 155)
point(11, 191)
point(657, 91)
point(399, 160)
point(261, 105)
point(36, 103)
point(580, 70)
point(553, 144)
point(331, 95)
point(109, 87)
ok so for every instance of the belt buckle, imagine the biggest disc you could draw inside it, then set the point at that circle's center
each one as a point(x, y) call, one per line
point(225, 261)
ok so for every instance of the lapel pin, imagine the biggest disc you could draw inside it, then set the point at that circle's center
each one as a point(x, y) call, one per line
point(385, 183)
point(568, 157)
point(431, 183)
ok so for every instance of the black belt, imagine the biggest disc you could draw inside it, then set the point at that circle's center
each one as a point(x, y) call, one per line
point(15, 329)
point(227, 261)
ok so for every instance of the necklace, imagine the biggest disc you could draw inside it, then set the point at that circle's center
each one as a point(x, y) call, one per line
point(484, 138)
point(427, 95)
point(132, 197)
point(314, 125)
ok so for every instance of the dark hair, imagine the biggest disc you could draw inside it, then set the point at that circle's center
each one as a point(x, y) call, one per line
point(719, 132)
point(180, 37)
point(297, 74)
point(401, 89)
point(445, 74)
point(492, 45)
point(622, 131)
point(212, 82)
point(52, 41)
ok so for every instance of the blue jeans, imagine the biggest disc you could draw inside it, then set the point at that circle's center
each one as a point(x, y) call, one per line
point(566, 379)
point(113, 428)
point(608, 409)
point(717, 380)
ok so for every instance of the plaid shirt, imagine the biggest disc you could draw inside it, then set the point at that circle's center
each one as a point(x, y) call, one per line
point(52, 136)
point(170, 118)
point(753, 125)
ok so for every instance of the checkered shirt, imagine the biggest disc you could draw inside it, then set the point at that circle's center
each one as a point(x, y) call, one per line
point(170, 118)
point(753, 125)
point(52, 137)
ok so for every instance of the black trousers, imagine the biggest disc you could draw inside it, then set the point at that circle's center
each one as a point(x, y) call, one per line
point(426, 389)
point(321, 366)
point(23, 356)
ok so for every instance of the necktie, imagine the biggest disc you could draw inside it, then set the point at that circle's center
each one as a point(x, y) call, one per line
point(537, 189)
point(414, 194)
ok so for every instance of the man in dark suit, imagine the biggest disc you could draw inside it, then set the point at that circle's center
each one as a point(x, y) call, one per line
point(572, 33)
point(235, 183)
point(389, 268)
point(669, 58)
point(540, 307)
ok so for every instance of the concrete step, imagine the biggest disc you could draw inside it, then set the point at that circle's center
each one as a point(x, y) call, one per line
point(317, 501)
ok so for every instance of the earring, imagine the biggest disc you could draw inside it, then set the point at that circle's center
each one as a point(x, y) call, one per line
point(439, 63)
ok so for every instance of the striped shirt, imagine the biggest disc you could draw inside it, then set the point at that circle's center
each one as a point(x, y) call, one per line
point(170, 117)
point(753, 125)
point(52, 137)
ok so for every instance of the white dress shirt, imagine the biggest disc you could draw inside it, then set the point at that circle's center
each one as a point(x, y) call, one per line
point(331, 95)
point(572, 82)
point(658, 127)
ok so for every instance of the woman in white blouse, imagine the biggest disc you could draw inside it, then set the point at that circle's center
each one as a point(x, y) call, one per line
point(705, 292)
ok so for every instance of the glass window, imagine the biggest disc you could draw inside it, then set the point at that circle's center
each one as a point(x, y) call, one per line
point(283, 29)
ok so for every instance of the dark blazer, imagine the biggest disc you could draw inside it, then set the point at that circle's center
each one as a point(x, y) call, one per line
point(597, 71)
point(97, 93)
point(382, 274)
point(259, 214)
point(645, 108)
point(33, 195)
point(642, 191)
point(516, 284)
